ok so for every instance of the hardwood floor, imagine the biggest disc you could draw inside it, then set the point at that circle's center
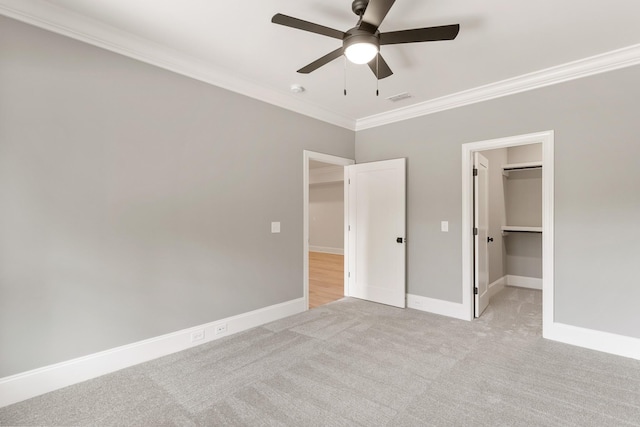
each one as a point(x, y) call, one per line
point(326, 278)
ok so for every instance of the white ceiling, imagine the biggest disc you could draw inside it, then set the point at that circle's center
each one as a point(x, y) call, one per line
point(233, 44)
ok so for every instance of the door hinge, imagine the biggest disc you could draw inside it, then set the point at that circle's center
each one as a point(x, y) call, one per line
point(349, 228)
point(475, 231)
point(475, 291)
point(475, 172)
point(349, 274)
point(349, 180)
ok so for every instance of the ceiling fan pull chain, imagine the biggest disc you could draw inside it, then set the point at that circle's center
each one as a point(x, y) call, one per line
point(378, 74)
point(345, 76)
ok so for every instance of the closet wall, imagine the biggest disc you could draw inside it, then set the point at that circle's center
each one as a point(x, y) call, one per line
point(523, 202)
point(515, 200)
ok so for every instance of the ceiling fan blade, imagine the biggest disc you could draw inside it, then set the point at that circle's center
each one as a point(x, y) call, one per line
point(380, 68)
point(289, 21)
point(445, 32)
point(374, 14)
point(321, 61)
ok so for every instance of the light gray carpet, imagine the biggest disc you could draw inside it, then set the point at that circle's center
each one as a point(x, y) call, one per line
point(358, 363)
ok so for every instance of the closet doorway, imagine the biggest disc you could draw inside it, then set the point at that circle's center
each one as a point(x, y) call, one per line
point(325, 202)
point(508, 221)
point(513, 245)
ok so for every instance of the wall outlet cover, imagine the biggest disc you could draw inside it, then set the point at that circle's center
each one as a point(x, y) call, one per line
point(197, 335)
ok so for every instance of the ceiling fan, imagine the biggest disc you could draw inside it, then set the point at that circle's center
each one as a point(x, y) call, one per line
point(361, 44)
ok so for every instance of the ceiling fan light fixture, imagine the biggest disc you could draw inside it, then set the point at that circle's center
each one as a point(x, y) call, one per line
point(361, 53)
point(360, 47)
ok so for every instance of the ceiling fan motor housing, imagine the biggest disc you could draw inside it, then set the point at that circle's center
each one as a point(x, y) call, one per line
point(355, 36)
point(359, 6)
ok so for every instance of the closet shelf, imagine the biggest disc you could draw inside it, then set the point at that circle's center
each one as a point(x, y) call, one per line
point(522, 229)
point(515, 167)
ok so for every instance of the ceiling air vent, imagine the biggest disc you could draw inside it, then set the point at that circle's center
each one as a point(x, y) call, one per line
point(399, 97)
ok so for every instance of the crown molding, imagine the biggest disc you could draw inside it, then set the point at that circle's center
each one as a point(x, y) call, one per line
point(45, 15)
point(53, 18)
point(597, 64)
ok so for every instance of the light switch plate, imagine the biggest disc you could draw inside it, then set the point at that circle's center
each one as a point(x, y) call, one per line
point(444, 226)
point(275, 227)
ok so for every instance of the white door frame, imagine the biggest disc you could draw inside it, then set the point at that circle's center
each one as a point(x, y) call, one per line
point(334, 160)
point(547, 141)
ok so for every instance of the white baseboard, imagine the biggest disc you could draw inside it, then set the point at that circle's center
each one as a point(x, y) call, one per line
point(606, 342)
point(49, 378)
point(437, 306)
point(524, 282)
point(326, 250)
point(497, 286)
point(595, 340)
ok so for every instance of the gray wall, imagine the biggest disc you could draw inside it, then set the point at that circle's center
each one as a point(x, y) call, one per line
point(525, 153)
point(326, 215)
point(524, 254)
point(597, 202)
point(497, 213)
point(137, 202)
point(523, 198)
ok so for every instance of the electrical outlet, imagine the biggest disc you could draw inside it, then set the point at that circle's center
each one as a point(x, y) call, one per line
point(197, 335)
point(221, 328)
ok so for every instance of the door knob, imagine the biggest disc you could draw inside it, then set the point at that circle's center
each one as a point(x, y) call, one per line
point(399, 240)
point(489, 239)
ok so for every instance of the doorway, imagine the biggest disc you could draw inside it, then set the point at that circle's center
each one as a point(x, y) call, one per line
point(469, 239)
point(324, 228)
point(374, 227)
point(508, 222)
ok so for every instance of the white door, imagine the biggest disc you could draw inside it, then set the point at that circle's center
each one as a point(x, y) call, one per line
point(481, 231)
point(377, 197)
